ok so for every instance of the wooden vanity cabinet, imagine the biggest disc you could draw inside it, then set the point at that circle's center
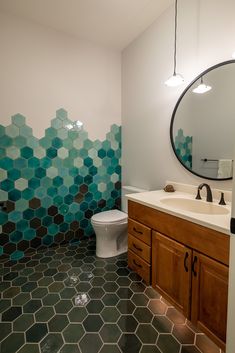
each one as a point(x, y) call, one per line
point(171, 271)
point(189, 266)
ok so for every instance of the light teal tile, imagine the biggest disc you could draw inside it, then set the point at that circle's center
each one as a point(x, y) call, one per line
point(12, 130)
point(18, 120)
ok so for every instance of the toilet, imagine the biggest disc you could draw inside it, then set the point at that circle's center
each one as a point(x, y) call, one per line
point(111, 228)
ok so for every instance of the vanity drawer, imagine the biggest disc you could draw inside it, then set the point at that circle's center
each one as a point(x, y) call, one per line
point(139, 248)
point(139, 231)
point(139, 266)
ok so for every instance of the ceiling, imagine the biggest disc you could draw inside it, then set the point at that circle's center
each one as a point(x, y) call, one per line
point(112, 23)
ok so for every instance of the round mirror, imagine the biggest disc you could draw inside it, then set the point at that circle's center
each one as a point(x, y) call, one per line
point(203, 123)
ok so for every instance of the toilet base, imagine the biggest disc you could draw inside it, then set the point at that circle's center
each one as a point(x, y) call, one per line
point(111, 254)
point(111, 240)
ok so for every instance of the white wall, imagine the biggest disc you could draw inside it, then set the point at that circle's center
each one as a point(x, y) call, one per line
point(206, 37)
point(43, 70)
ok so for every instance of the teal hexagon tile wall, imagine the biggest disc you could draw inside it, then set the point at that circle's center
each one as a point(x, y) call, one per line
point(183, 147)
point(53, 185)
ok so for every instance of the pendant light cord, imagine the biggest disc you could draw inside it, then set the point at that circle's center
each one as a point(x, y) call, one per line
point(176, 10)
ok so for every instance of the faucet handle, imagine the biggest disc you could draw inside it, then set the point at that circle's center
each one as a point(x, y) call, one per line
point(198, 197)
point(222, 201)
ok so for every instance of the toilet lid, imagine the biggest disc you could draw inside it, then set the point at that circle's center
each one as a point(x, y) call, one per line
point(109, 216)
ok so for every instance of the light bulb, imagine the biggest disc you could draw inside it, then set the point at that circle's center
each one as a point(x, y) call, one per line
point(202, 88)
point(174, 80)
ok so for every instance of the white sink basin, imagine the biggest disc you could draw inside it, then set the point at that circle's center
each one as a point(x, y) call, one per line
point(195, 206)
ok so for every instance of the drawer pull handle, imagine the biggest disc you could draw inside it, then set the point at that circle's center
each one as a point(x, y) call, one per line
point(136, 247)
point(185, 261)
point(137, 231)
point(137, 264)
point(193, 266)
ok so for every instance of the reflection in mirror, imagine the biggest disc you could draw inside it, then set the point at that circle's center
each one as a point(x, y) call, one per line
point(203, 125)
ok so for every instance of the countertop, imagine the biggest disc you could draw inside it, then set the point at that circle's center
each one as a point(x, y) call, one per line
point(152, 199)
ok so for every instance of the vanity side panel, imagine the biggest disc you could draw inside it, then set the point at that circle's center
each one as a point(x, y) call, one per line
point(205, 240)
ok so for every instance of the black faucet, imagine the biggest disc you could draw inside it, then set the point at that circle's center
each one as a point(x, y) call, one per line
point(208, 192)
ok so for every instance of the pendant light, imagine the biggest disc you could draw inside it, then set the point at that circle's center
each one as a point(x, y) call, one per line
point(202, 87)
point(175, 79)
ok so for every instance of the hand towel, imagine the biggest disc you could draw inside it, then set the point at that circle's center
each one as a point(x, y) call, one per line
point(225, 168)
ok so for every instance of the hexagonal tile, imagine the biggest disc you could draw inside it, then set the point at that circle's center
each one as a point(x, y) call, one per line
point(36, 332)
point(94, 306)
point(93, 323)
point(167, 343)
point(147, 334)
point(23, 322)
point(73, 333)
point(77, 314)
point(127, 323)
point(110, 333)
point(12, 313)
point(12, 343)
point(143, 315)
point(58, 323)
point(129, 343)
point(51, 343)
point(90, 343)
point(44, 314)
point(110, 314)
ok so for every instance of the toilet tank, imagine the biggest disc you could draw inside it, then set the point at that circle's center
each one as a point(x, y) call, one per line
point(129, 190)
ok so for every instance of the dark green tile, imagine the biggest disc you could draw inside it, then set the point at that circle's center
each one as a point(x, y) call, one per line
point(93, 323)
point(12, 343)
point(63, 306)
point(77, 314)
point(110, 314)
point(5, 330)
point(21, 299)
point(29, 348)
point(143, 315)
point(149, 349)
point(167, 343)
point(36, 332)
point(70, 348)
point(147, 334)
point(44, 314)
point(23, 322)
point(32, 306)
point(127, 323)
point(50, 299)
point(129, 343)
point(51, 343)
point(110, 333)
point(110, 348)
point(90, 343)
point(125, 306)
point(58, 323)
point(95, 306)
point(73, 333)
point(12, 313)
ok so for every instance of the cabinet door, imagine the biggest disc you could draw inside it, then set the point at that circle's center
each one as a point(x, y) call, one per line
point(209, 297)
point(171, 271)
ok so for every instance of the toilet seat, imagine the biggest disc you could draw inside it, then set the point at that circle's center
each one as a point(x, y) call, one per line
point(110, 217)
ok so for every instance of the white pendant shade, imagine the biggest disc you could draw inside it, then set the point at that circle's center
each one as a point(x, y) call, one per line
point(174, 80)
point(202, 88)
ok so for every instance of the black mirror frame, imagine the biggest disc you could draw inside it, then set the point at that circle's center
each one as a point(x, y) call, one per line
point(175, 110)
